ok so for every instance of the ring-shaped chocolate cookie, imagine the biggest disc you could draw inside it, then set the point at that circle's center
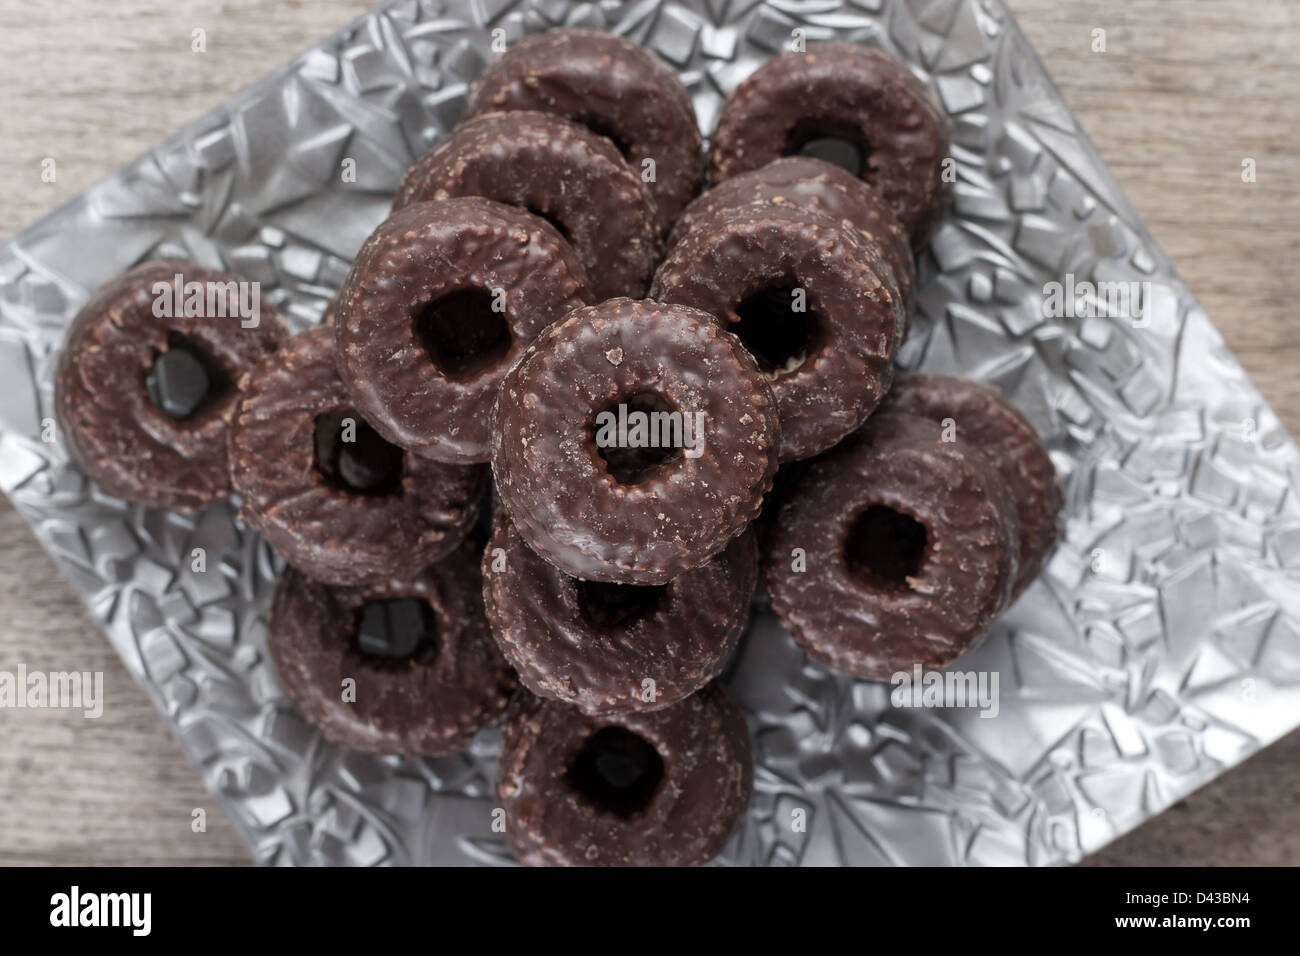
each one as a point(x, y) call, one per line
point(809, 298)
point(441, 300)
point(984, 419)
point(145, 343)
point(633, 441)
point(430, 700)
point(558, 170)
point(895, 549)
point(613, 87)
point(645, 789)
point(846, 92)
point(329, 494)
point(614, 648)
point(822, 187)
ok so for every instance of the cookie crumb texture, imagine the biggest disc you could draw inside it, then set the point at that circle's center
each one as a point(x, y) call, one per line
point(560, 171)
point(911, 547)
point(442, 299)
point(322, 524)
point(615, 88)
point(614, 648)
point(430, 702)
point(163, 446)
point(816, 186)
point(646, 789)
point(591, 519)
point(811, 298)
point(983, 418)
point(843, 91)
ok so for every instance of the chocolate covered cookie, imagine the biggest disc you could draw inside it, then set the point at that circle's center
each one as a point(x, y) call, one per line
point(425, 674)
point(560, 171)
point(643, 789)
point(817, 186)
point(809, 298)
point(895, 549)
point(613, 87)
point(613, 648)
point(633, 441)
point(983, 418)
point(329, 494)
point(861, 97)
point(146, 382)
point(441, 300)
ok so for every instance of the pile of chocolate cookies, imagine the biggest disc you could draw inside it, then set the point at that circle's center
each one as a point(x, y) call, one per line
point(550, 298)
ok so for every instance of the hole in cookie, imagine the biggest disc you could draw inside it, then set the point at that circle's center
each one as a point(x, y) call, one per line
point(837, 152)
point(885, 547)
point(613, 605)
point(184, 379)
point(641, 434)
point(463, 334)
point(838, 145)
point(617, 772)
point(353, 457)
point(778, 329)
point(398, 629)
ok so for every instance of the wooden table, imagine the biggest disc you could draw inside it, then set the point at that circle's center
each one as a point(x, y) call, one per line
point(1185, 91)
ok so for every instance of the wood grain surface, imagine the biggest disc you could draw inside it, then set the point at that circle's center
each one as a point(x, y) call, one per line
point(1185, 91)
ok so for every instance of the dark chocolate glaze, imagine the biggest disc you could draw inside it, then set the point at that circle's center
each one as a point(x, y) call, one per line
point(735, 252)
point(554, 482)
point(964, 579)
point(843, 90)
point(820, 187)
point(427, 252)
point(559, 170)
point(431, 703)
point(616, 88)
point(111, 427)
point(325, 531)
point(985, 420)
point(680, 639)
point(703, 744)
